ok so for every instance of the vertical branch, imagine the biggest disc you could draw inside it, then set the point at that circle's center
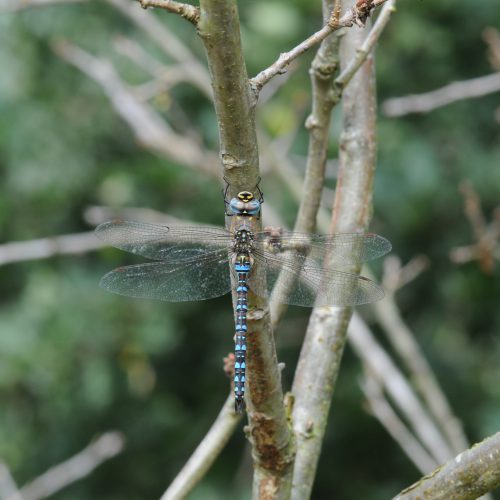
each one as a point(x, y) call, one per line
point(326, 334)
point(219, 30)
point(322, 71)
point(234, 104)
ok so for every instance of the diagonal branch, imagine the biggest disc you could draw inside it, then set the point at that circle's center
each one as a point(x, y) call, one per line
point(77, 467)
point(206, 453)
point(468, 476)
point(188, 12)
point(8, 486)
point(403, 340)
point(394, 426)
point(384, 369)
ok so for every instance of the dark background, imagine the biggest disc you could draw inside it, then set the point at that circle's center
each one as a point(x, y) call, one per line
point(76, 361)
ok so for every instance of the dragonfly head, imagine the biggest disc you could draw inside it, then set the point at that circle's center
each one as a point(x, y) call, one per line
point(245, 204)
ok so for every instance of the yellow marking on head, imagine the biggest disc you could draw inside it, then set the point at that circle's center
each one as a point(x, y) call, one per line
point(245, 196)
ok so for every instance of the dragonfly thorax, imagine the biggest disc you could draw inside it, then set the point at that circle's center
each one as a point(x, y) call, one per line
point(243, 241)
point(244, 204)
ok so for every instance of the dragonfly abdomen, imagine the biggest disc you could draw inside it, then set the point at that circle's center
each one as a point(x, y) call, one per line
point(242, 266)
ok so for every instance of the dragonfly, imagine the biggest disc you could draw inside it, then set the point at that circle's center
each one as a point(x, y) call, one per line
point(191, 263)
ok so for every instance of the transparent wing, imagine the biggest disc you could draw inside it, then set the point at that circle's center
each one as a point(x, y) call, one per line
point(163, 242)
point(343, 249)
point(176, 281)
point(304, 283)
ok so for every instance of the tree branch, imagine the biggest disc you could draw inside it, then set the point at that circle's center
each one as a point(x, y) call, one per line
point(456, 91)
point(384, 369)
point(394, 426)
point(322, 71)
point(269, 431)
point(487, 235)
point(354, 15)
point(44, 248)
point(77, 467)
point(188, 12)
point(366, 47)
point(206, 452)
point(167, 41)
point(8, 487)
point(404, 343)
point(321, 353)
point(468, 476)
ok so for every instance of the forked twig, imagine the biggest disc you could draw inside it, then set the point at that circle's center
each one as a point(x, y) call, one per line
point(185, 10)
point(487, 235)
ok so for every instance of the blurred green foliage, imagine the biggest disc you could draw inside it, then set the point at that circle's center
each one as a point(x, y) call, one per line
point(75, 361)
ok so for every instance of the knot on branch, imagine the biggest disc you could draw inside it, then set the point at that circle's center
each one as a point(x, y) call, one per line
point(363, 9)
point(323, 69)
point(311, 122)
point(230, 161)
point(256, 314)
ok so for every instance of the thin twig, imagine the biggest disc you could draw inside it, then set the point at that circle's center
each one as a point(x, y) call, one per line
point(188, 12)
point(44, 248)
point(353, 15)
point(394, 426)
point(167, 41)
point(456, 91)
point(367, 46)
point(206, 452)
point(77, 467)
point(468, 476)
point(487, 235)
